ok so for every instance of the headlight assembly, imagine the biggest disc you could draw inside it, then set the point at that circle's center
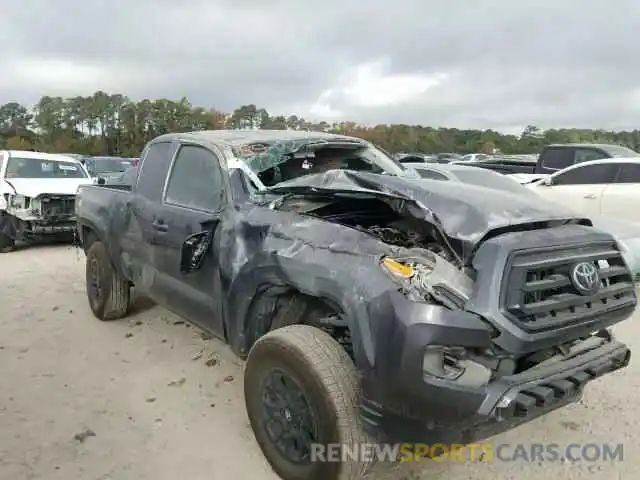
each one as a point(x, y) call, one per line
point(36, 206)
point(426, 275)
point(411, 274)
point(432, 279)
point(18, 201)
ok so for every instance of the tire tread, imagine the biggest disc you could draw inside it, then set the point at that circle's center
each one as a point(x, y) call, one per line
point(116, 303)
point(339, 376)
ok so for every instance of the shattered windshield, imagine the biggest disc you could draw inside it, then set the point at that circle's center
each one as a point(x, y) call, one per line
point(275, 162)
point(41, 168)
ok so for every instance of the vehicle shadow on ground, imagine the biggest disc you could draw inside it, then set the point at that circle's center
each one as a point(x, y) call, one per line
point(140, 304)
point(44, 244)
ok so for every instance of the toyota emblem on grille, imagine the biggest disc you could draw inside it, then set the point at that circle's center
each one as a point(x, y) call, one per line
point(585, 278)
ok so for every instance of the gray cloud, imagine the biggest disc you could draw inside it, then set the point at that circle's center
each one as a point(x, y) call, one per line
point(505, 64)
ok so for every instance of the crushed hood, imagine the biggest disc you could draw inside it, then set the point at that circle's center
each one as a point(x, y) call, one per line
point(32, 187)
point(465, 213)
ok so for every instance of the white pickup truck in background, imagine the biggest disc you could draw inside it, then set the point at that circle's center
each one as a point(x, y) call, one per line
point(37, 195)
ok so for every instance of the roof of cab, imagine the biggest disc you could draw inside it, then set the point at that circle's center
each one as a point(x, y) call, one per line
point(600, 146)
point(242, 137)
point(54, 157)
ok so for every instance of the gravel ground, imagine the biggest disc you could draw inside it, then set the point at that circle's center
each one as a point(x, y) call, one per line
point(149, 397)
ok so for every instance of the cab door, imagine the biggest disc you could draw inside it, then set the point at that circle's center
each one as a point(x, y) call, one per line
point(185, 248)
point(580, 188)
point(621, 200)
point(140, 233)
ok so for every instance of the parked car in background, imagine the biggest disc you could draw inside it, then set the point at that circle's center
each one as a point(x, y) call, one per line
point(446, 157)
point(415, 157)
point(474, 157)
point(553, 158)
point(609, 187)
point(105, 166)
point(426, 157)
point(506, 164)
point(37, 195)
point(560, 156)
point(458, 172)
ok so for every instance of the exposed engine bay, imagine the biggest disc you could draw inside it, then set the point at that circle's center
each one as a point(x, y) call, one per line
point(375, 217)
point(43, 208)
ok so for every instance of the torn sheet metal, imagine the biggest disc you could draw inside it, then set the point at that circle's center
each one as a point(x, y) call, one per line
point(25, 217)
point(466, 214)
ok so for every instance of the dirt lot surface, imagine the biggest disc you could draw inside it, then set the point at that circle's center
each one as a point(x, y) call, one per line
point(149, 398)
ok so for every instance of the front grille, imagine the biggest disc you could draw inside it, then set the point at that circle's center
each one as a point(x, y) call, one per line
point(58, 205)
point(539, 295)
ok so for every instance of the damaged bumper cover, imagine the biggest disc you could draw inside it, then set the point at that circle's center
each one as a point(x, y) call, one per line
point(404, 403)
point(27, 217)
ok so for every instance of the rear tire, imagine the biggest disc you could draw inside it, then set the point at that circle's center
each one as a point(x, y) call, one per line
point(324, 399)
point(107, 291)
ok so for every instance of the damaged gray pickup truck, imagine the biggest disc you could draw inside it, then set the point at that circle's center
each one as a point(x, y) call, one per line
point(370, 304)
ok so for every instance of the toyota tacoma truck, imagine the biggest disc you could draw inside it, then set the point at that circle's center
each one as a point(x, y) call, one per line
point(370, 305)
point(37, 194)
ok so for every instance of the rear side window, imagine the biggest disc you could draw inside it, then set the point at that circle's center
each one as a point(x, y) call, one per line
point(629, 173)
point(620, 151)
point(557, 158)
point(154, 167)
point(588, 175)
point(587, 154)
point(196, 180)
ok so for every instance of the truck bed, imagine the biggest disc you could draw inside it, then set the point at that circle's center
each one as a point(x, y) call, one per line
point(99, 204)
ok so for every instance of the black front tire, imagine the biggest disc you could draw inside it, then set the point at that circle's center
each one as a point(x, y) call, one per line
point(329, 383)
point(107, 291)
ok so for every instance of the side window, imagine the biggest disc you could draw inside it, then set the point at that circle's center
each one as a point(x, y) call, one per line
point(629, 173)
point(585, 155)
point(589, 175)
point(154, 166)
point(557, 158)
point(195, 180)
point(430, 174)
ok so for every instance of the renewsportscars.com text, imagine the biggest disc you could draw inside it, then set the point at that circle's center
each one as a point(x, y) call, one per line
point(478, 452)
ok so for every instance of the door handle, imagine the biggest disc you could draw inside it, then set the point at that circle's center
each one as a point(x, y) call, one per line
point(590, 196)
point(160, 226)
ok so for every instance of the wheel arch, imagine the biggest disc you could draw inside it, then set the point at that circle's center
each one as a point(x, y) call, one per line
point(89, 234)
point(277, 305)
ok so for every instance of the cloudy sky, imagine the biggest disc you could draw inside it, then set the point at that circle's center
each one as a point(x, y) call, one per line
point(469, 64)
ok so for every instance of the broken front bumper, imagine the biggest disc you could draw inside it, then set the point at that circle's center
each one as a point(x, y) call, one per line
point(19, 229)
point(408, 406)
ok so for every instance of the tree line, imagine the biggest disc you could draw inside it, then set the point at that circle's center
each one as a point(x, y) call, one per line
point(113, 124)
